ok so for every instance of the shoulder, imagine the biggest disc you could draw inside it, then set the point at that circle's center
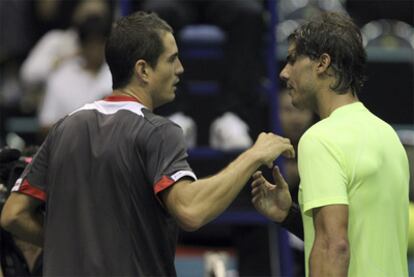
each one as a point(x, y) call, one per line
point(158, 121)
point(319, 139)
point(317, 132)
point(163, 129)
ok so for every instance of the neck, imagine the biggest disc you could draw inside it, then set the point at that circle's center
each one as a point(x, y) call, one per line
point(136, 94)
point(329, 101)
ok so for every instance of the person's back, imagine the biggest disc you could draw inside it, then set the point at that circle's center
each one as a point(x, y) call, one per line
point(374, 184)
point(102, 176)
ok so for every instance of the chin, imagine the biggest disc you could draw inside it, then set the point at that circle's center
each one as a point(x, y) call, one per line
point(167, 100)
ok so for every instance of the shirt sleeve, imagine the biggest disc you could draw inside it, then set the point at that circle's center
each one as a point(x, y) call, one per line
point(166, 157)
point(33, 181)
point(321, 170)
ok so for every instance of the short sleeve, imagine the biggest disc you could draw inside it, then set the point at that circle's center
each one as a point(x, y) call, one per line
point(166, 157)
point(33, 181)
point(321, 170)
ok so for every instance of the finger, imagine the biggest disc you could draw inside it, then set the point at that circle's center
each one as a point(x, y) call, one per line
point(276, 174)
point(255, 191)
point(254, 200)
point(270, 164)
point(286, 140)
point(257, 174)
point(256, 183)
point(259, 181)
point(278, 178)
point(289, 152)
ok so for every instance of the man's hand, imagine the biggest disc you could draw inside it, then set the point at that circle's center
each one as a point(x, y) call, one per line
point(268, 147)
point(271, 200)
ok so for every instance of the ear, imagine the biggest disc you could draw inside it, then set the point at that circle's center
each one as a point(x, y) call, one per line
point(142, 70)
point(323, 63)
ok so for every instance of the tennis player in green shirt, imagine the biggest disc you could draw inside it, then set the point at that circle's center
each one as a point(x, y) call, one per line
point(354, 172)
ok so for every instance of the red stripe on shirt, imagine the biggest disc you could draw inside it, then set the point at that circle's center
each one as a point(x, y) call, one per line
point(118, 98)
point(162, 184)
point(28, 189)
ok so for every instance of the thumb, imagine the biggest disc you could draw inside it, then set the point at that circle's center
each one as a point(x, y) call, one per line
point(278, 178)
point(288, 151)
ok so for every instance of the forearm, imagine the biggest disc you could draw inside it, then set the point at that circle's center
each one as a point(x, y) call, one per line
point(329, 260)
point(209, 197)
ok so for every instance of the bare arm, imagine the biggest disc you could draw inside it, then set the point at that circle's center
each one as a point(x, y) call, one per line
point(194, 204)
point(330, 252)
point(22, 217)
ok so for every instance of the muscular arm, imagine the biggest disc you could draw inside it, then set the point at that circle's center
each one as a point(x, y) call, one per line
point(21, 216)
point(330, 252)
point(194, 204)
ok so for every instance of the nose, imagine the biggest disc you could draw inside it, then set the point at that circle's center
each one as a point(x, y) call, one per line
point(180, 68)
point(284, 74)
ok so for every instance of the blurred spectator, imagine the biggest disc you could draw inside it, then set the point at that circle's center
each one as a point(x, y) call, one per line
point(240, 98)
point(57, 45)
point(82, 78)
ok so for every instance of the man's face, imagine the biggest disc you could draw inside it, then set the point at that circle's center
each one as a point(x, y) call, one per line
point(165, 75)
point(300, 78)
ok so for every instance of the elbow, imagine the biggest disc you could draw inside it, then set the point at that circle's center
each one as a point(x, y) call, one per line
point(334, 247)
point(339, 248)
point(12, 215)
point(189, 226)
point(8, 220)
point(343, 247)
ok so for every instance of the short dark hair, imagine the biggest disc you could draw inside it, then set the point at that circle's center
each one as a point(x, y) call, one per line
point(338, 36)
point(134, 37)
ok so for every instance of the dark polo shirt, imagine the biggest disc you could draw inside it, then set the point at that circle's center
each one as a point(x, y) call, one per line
point(100, 171)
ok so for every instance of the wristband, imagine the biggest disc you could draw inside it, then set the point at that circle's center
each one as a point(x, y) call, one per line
point(293, 221)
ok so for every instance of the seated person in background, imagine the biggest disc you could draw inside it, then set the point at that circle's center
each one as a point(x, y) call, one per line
point(57, 45)
point(80, 79)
